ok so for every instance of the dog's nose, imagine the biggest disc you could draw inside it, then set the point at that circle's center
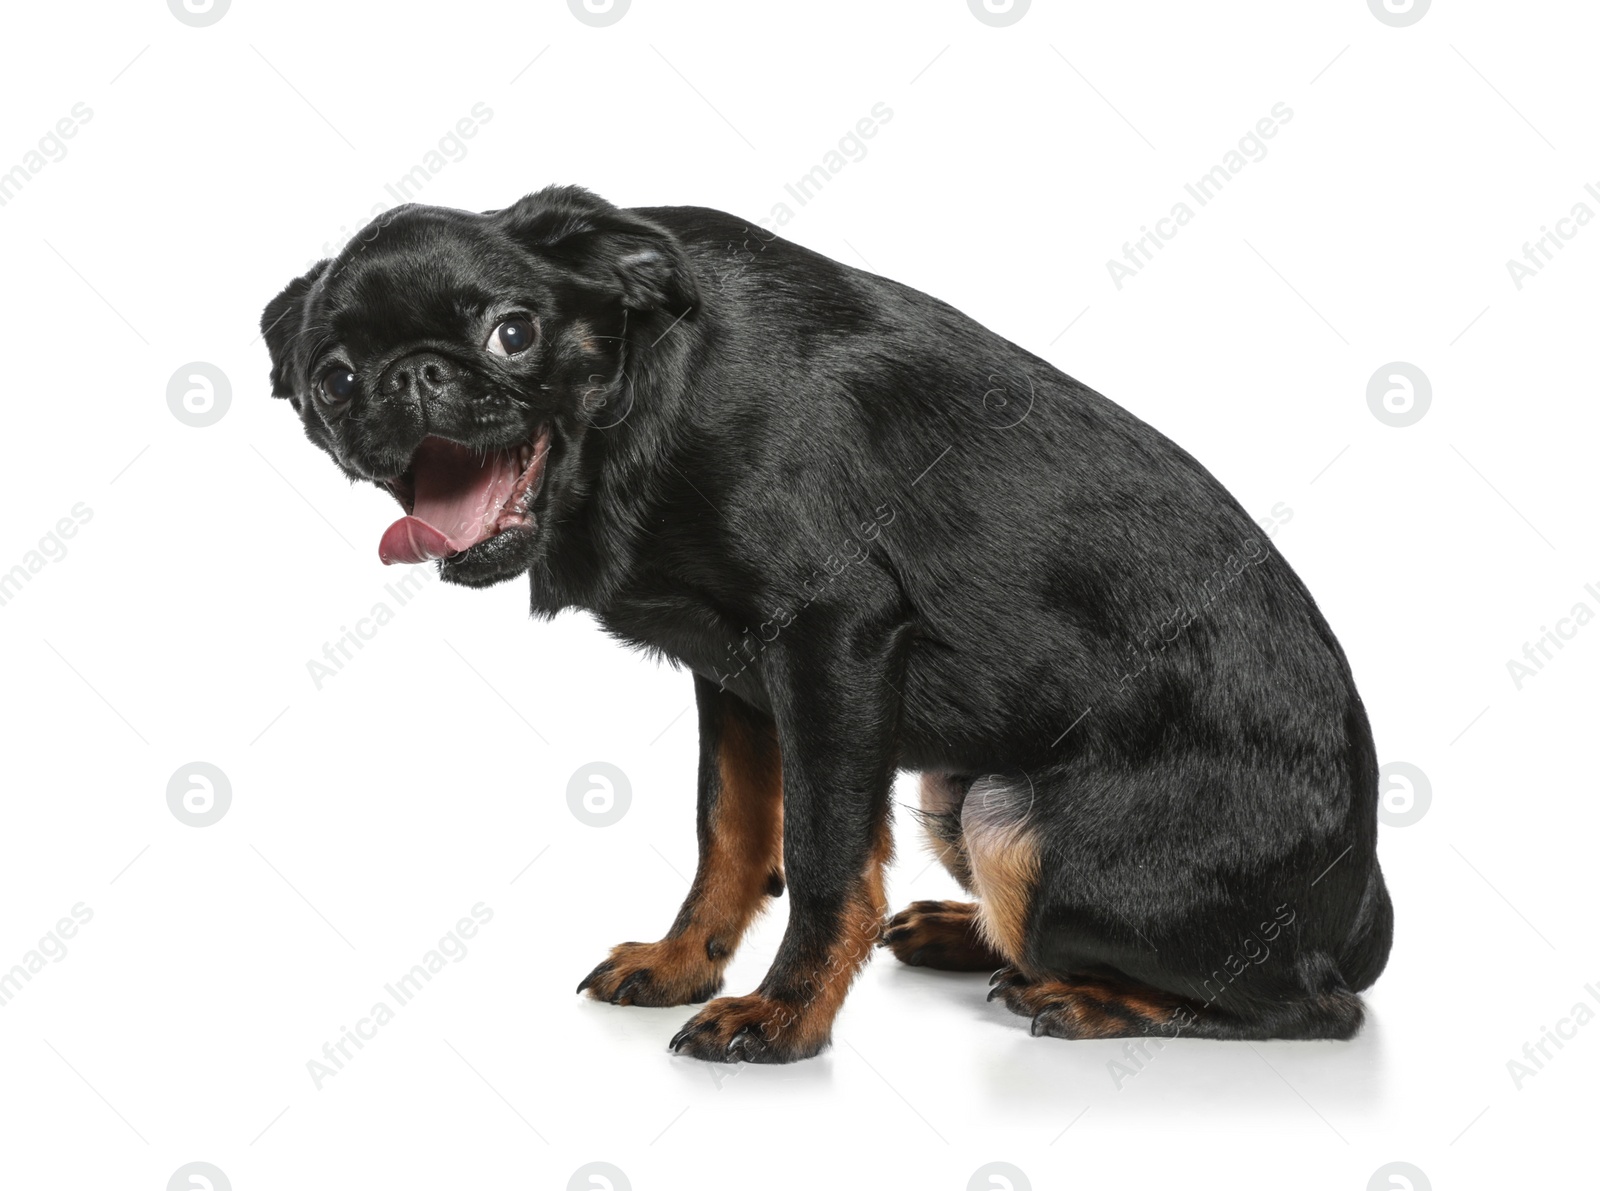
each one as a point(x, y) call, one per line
point(424, 374)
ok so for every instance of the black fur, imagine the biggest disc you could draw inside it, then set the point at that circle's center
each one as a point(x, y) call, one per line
point(912, 545)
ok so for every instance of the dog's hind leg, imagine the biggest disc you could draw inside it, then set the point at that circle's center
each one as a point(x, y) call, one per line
point(943, 934)
point(1004, 848)
point(740, 827)
point(1107, 947)
point(1114, 1006)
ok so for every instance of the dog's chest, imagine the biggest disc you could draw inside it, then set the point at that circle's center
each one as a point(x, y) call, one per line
point(690, 631)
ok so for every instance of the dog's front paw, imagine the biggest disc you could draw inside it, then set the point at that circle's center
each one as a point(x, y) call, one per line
point(670, 972)
point(751, 1029)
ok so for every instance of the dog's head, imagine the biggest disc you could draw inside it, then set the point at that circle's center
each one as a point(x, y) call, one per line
point(466, 363)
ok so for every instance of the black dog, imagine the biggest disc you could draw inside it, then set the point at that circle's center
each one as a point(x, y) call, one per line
point(882, 538)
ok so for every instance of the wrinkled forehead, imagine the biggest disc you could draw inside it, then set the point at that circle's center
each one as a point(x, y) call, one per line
point(421, 275)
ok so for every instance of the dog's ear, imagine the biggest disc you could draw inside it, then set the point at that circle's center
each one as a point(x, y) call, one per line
point(280, 323)
point(641, 263)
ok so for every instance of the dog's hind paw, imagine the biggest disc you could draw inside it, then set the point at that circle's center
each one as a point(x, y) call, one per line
point(934, 934)
point(1089, 1008)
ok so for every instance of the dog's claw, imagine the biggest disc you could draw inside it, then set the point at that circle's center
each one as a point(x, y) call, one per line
point(739, 1043)
point(1004, 981)
point(599, 972)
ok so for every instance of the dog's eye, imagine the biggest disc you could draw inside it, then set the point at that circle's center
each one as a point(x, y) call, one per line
point(510, 337)
point(339, 384)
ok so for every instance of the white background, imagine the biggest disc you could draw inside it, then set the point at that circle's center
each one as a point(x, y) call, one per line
point(426, 777)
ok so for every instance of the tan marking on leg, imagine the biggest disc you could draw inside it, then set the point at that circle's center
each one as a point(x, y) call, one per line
point(738, 872)
point(941, 806)
point(762, 1027)
point(860, 928)
point(1004, 853)
point(1005, 869)
point(746, 854)
point(939, 794)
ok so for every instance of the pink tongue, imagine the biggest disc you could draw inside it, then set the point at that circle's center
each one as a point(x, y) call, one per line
point(458, 497)
point(412, 540)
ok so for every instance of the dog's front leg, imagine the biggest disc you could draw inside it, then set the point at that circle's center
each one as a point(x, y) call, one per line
point(740, 827)
point(834, 694)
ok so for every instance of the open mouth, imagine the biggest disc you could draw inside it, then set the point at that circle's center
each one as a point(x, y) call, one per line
point(455, 497)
